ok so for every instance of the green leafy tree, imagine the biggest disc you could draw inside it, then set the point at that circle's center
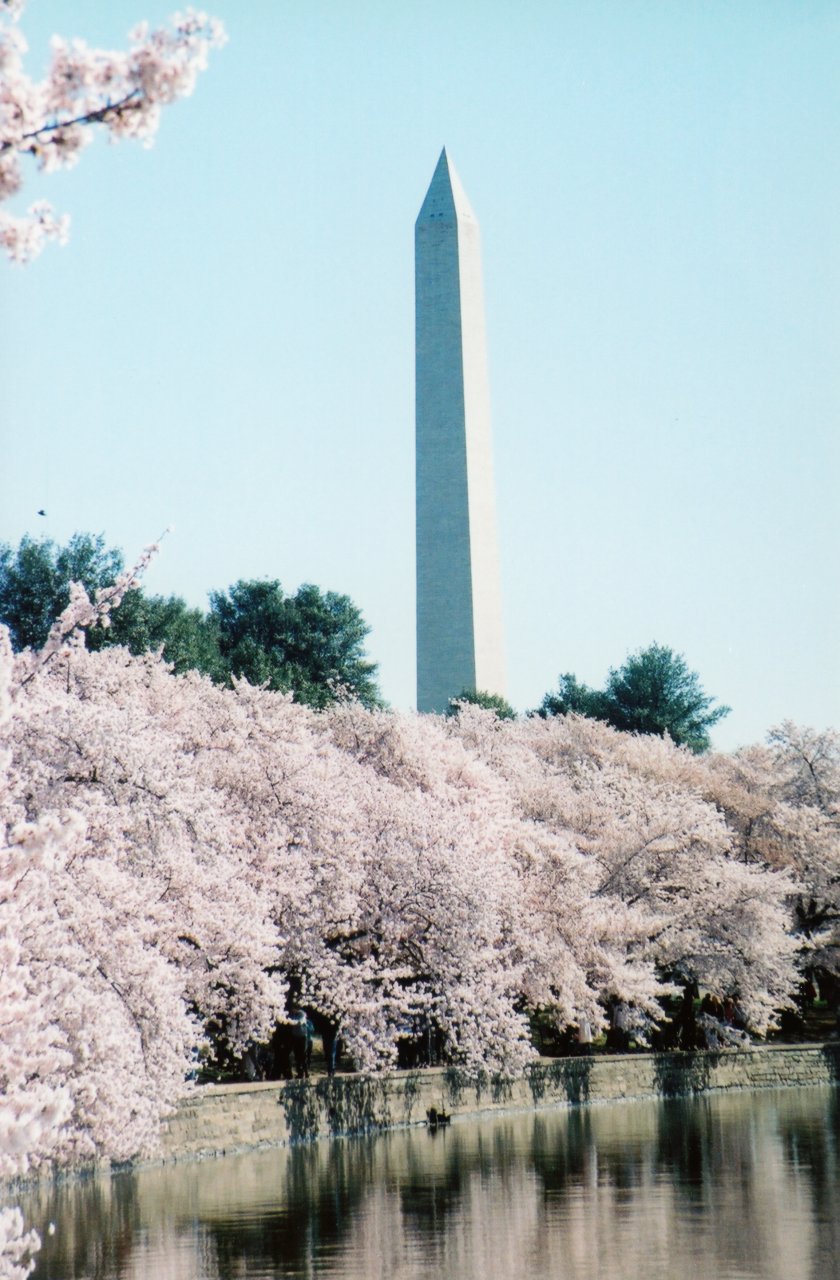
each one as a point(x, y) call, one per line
point(653, 692)
point(574, 698)
point(310, 644)
point(35, 588)
point(481, 698)
point(187, 638)
point(35, 581)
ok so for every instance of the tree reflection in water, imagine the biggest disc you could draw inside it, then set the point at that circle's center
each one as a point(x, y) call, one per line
point(739, 1185)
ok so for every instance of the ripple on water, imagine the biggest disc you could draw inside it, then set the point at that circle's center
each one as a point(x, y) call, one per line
point(722, 1187)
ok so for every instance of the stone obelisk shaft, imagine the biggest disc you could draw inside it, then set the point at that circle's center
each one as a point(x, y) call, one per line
point(459, 615)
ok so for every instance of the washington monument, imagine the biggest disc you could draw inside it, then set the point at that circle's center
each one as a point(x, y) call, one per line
point(459, 613)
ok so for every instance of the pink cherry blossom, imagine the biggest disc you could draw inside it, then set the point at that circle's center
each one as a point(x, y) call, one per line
point(49, 123)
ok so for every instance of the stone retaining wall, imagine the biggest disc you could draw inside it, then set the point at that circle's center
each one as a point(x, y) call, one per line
point(218, 1119)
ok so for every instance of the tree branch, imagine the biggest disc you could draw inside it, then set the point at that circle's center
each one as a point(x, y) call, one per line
point(130, 102)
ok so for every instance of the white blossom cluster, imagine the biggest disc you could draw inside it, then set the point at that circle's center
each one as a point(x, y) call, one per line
point(50, 122)
point(18, 1246)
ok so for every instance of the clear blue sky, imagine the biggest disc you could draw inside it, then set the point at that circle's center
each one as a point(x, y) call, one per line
point(226, 344)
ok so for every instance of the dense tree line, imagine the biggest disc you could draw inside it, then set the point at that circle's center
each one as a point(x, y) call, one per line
point(310, 644)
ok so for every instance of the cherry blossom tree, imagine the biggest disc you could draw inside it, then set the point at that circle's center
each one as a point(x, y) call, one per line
point(782, 805)
point(401, 917)
point(168, 930)
point(33, 1105)
point(655, 846)
point(121, 93)
point(123, 927)
point(559, 945)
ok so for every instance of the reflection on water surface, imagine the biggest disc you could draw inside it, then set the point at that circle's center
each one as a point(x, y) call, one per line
point(726, 1187)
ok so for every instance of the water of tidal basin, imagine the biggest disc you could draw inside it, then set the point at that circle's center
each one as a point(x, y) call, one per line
point(724, 1187)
